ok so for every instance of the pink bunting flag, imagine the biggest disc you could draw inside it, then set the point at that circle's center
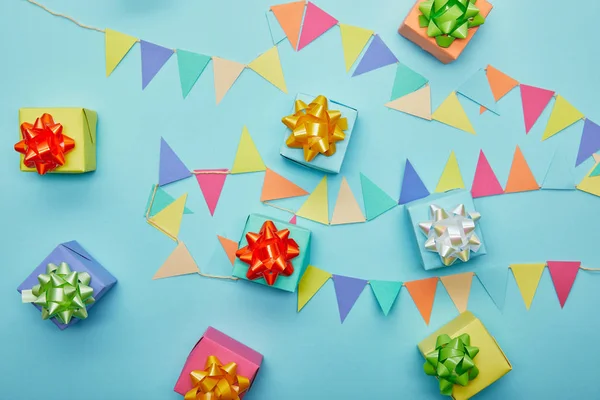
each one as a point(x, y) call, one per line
point(485, 182)
point(563, 275)
point(211, 184)
point(316, 23)
point(534, 101)
point(293, 220)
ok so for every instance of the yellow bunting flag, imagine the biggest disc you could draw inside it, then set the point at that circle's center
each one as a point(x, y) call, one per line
point(268, 65)
point(247, 158)
point(168, 221)
point(354, 40)
point(316, 207)
point(563, 115)
point(117, 45)
point(591, 184)
point(312, 280)
point(417, 103)
point(451, 177)
point(527, 277)
point(226, 73)
point(458, 287)
point(451, 112)
point(180, 262)
point(347, 210)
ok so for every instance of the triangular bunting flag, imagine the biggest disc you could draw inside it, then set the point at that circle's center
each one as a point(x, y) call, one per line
point(168, 221)
point(413, 187)
point(423, 294)
point(520, 177)
point(116, 46)
point(211, 184)
point(378, 55)
point(563, 274)
point(347, 291)
point(276, 187)
point(161, 200)
point(561, 173)
point(595, 171)
point(293, 220)
point(494, 281)
point(226, 73)
point(153, 59)
point(191, 65)
point(229, 246)
point(316, 23)
point(386, 293)
point(347, 210)
point(534, 101)
point(406, 81)
point(268, 65)
point(477, 89)
point(316, 207)
point(563, 115)
point(354, 40)
point(500, 83)
point(376, 201)
point(170, 168)
point(596, 157)
point(310, 283)
point(527, 277)
point(451, 113)
point(458, 287)
point(590, 141)
point(247, 157)
point(277, 33)
point(289, 17)
point(451, 177)
point(417, 103)
point(180, 262)
point(591, 183)
point(485, 182)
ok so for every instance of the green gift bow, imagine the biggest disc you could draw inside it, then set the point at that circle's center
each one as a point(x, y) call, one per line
point(447, 20)
point(61, 293)
point(452, 362)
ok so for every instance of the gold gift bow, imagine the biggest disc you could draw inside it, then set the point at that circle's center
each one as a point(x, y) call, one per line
point(217, 382)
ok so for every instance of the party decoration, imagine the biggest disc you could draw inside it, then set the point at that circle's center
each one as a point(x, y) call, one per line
point(458, 287)
point(230, 247)
point(247, 158)
point(211, 184)
point(277, 33)
point(191, 65)
point(347, 210)
point(494, 281)
point(347, 291)
point(591, 183)
point(423, 294)
point(477, 89)
point(168, 221)
point(386, 293)
point(406, 81)
point(413, 187)
point(316, 23)
point(417, 103)
point(520, 177)
point(595, 171)
point(277, 187)
point(226, 73)
point(528, 277)
point(485, 182)
point(500, 84)
point(290, 17)
point(376, 201)
point(316, 206)
point(153, 59)
point(534, 101)
point(560, 174)
point(378, 55)
point(451, 113)
point(158, 199)
point(117, 45)
point(451, 177)
point(312, 280)
point(563, 274)
point(590, 141)
point(268, 65)
point(563, 115)
point(171, 168)
point(179, 262)
point(293, 220)
point(354, 40)
point(217, 382)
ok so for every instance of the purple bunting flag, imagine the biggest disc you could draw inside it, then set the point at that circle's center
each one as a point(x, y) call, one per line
point(171, 168)
point(590, 141)
point(153, 58)
point(347, 291)
point(377, 55)
point(413, 187)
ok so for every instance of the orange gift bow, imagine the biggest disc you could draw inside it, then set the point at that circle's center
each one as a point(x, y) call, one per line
point(217, 382)
point(269, 253)
point(315, 128)
point(44, 144)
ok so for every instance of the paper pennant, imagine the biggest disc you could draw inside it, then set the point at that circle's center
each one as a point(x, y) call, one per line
point(247, 157)
point(316, 207)
point(316, 23)
point(376, 201)
point(590, 141)
point(180, 262)
point(423, 294)
point(293, 220)
point(563, 115)
point(563, 274)
point(230, 248)
point(561, 173)
point(494, 281)
point(591, 184)
point(276, 187)
point(458, 287)
point(417, 103)
point(268, 65)
point(277, 33)
point(595, 171)
point(191, 65)
point(347, 210)
point(161, 200)
point(347, 291)
point(310, 283)
point(226, 73)
point(527, 277)
point(170, 168)
point(153, 59)
point(451, 113)
point(168, 221)
point(596, 157)
point(451, 177)
point(534, 101)
point(477, 89)
point(289, 17)
point(354, 40)
point(520, 177)
point(413, 187)
point(485, 182)
point(500, 83)
point(116, 46)
point(406, 81)
point(386, 293)
point(378, 55)
point(211, 185)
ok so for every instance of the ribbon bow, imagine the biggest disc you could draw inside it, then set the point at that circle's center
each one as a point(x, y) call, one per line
point(315, 128)
point(217, 382)
point(44, 144)
point(269, 253)
point(452, 362)
point(447, 20)
point(61, 293)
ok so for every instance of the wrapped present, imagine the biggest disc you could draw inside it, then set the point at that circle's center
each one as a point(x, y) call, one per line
point(464, 357)
point(66, 284)
point(444, 28)
point(218, 368)
point(272, 253)
point(318, 133)
point(57, 140)
point(447, 228)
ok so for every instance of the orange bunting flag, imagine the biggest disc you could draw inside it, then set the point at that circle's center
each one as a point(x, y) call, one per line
point(520, 178)
point(423, 294)
point(276, 187)
point(458, 287)
point(289, 17)
point(500, 83)
point(229, 246)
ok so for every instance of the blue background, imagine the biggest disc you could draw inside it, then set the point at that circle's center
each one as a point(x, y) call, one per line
point(135, 342)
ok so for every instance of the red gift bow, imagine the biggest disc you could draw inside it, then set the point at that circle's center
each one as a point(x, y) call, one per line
point(44, 144)
point(269, 253)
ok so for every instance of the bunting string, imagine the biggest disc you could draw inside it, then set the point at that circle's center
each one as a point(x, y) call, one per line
point(73, 20)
